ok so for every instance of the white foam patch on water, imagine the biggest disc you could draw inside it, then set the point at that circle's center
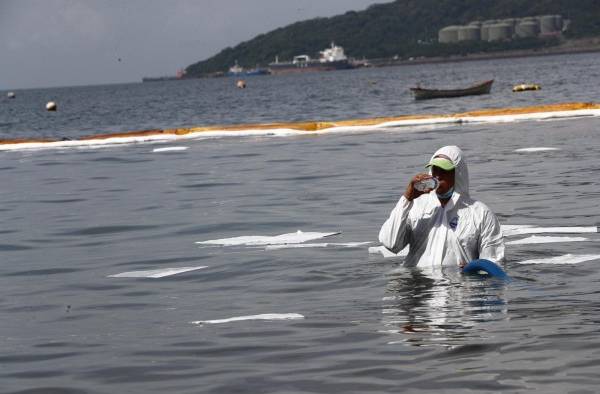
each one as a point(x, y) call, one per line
point(536, 149)
point(283, 132)
point(385, 252)
point(565, 259)
point(266, 316)
point(154, 274)
point(511, 230)
point(170, 149)
point(532, 116)
point(318, 245)
point(90, 143)
point(264, 240)
point(534, 239)
point(512, 227)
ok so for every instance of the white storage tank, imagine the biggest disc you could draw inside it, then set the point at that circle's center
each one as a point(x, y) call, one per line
point(548, 24)
point(469, 33)
point(485, 29)
point(558, 22)
point(448, 34)
point(499, 31)
point(528, 28)
point(485, 32)
point(512, 22)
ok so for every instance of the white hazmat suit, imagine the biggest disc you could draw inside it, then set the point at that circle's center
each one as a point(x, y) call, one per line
point(461, 231)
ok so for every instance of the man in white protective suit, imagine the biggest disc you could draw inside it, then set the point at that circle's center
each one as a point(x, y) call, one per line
point(445, 226)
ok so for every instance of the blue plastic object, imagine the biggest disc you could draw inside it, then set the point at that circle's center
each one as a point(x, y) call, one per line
point(485, 267)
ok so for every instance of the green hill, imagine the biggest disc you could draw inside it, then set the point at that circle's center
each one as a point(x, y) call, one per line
point(404, 28)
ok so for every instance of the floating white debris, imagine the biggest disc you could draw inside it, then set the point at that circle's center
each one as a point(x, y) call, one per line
point(512, 227)
point(565, 259)
point(51, 106)
point(266, 316)
point(154, 274)
point(263, 240)
point(511, 230)
point(317, 245)
point(543, 240)
point(529, 229)
point(536, 149)
point(551, 115)
point(171, 149)
point(385, 252)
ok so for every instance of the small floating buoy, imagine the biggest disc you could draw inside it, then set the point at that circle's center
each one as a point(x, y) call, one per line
point(241, 84)
point(51, 106)
point(11, 95)
point(525, 87)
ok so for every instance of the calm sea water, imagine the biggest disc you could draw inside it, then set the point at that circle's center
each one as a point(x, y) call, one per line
point(70, 218)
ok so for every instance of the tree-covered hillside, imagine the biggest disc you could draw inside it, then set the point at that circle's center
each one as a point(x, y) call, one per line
point(404, 28)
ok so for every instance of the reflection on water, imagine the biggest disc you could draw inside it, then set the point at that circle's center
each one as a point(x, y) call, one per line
point(441, 307)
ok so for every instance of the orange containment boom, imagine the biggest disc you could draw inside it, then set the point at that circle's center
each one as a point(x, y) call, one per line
point(485, 115)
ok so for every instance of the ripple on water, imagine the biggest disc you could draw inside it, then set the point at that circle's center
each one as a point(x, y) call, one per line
point(208, 185)
point(102, 230)
point(44, 272)
point(61, 201)
point(32, 308)
point(14, 247)
point(159, 262)
point(119, 160)
point(30, 358)
point(51, 390)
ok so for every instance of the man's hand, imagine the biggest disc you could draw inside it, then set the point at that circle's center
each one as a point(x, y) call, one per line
point(411, 193)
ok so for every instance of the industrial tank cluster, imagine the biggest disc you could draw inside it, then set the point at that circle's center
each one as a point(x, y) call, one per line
point(504, 29)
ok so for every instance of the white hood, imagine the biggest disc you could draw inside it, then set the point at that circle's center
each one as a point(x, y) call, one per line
point(461, 172)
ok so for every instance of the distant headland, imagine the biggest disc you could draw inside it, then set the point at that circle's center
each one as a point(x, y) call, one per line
point(410, 32)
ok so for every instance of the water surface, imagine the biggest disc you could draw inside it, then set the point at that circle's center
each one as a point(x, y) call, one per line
point(70, 218)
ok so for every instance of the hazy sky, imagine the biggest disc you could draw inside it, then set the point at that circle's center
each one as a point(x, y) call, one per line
point(77, 42)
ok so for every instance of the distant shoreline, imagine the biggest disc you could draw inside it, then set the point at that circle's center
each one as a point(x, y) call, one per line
point(569, 47)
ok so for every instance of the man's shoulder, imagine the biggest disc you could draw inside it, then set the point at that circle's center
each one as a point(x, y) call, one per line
point(476, 205)
point(481, 205)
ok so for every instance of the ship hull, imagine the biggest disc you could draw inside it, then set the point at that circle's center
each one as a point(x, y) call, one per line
point(248, 73)
point(294, 68)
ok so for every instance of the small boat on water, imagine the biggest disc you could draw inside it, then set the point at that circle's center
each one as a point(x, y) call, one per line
point(480, 88)
point(237, 71)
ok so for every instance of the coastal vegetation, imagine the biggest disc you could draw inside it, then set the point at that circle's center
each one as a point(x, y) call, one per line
point(402, 29)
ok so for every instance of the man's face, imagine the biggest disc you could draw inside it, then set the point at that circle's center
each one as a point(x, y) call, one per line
point(446, 179)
